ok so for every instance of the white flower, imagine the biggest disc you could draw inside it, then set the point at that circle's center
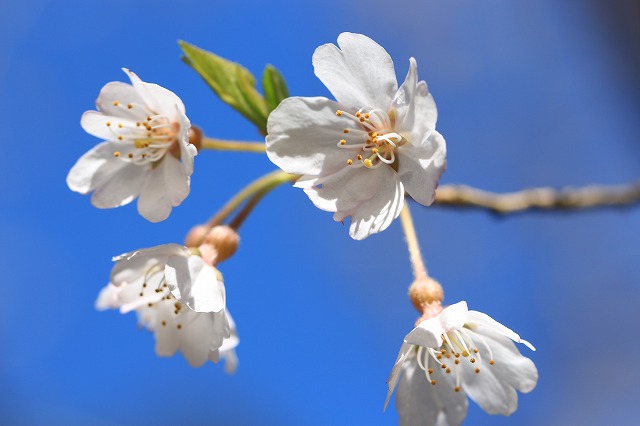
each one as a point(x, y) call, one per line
point(357, 156)
point(157, 283)
point(146, 152)
point(455, 353)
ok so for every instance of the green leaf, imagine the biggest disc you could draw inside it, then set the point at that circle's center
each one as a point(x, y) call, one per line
point(233, 83)
point(274, 86)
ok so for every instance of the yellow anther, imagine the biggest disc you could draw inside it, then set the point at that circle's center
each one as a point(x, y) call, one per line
point(367, 163)
point(475, 350)
point(345, 131)
point(343, 142)
point(358, 114)
point(492, 362)
point(349, 161)
point(338, 113)
point(374, 150)
point(433, 382)
point(477, 370)
point(359, 157)
point(164, 323)
point(179, 326)
point(149, 118)
point(457, 389)
point(430, 371)
point(129, 106)
point(367, 115)
point(116, 103)
point(120, 125)
point(137, 124)
point(465, 353)
point(120, 138)
point(139, 143)
point(444, 366)
point(108, 123)
point(374, 134)
point(130, 155)
point(362, 119)
point(448, 370)
point(457, 361)
point(472, 360)
point(116, 154)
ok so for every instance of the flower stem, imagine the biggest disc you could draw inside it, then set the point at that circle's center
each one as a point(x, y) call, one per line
point(237, 221)
point(419, 270)
point(262, 184)
point(225, 145)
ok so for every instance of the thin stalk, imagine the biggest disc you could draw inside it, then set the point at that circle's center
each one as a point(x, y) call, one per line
point(270, 180)
point(237, 221)
point(419, 270)
point(226, 145)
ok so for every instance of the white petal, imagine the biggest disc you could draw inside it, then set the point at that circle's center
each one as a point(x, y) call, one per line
point(420, 167)
point(165, 187)
point(166, 332)
point(427, 334)
point(420, 403)
point(195, 283)
point(230, 361)
point(95, 123)
point(377, 213)
point(373, 197)
point(118, 187)
point(453, 317)
point(199, 333)
point(108, 298)
point(479, 318)
point(358, 74)
point(187, 150)
point(397, 370)
point(510, 366)
point(303, 134)
point(493, 395)
point(81, 177)
point(134, 265)
point(115, 97)
point(157, 98)
point(416, 111)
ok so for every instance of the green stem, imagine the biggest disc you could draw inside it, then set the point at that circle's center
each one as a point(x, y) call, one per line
point(419, 270)
point(237, 221)
point(225, 145)
point(266, 182)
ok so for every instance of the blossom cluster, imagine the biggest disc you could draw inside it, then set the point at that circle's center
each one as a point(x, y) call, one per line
point(357, 156)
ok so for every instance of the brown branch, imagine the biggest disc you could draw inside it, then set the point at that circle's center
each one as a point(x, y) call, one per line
point(538, 198)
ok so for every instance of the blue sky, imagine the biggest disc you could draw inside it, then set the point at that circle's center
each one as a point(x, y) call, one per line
point(529, 94)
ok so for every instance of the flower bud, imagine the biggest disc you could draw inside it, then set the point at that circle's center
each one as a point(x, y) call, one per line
point(225, 241)
point(426, 295)
point(196, 235)
point(195, 137)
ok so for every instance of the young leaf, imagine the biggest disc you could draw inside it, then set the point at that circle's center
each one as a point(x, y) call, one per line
point(274, 86)
point(233, 83)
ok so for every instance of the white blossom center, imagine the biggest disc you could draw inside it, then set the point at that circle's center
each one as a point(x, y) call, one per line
point(458, 346)
point(372, 138)
point(155, 289)
point(150, 137)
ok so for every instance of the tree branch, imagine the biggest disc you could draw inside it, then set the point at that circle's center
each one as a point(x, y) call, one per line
point(591, 196)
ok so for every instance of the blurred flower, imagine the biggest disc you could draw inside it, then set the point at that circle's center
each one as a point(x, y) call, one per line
point(178, 297)
point(146, 152)
point(357, 156)
point(455, 353)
